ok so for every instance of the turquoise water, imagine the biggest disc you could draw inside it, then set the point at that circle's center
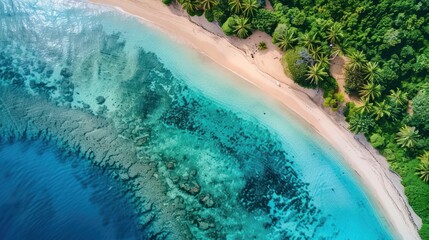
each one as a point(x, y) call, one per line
point(235, 165)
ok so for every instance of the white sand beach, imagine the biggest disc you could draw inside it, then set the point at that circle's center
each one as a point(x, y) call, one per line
point(263, 69)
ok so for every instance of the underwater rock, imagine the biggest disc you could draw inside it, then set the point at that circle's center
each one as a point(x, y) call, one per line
point(179, 202)
point(102, 110)
point(85, 105)
point(147, 219)
point(206, 200)
point(174, 178)
point(191, 187)
point(147, 207)
point(66, 73)
point(137, 170)
point(141, 141)
point(205, 224)
point(33, 85)
point(100, 100)
point(49, 73)
point(67, 89)
point(68, 98)
point(124, 176)
point(193, 173)
point(170, 165)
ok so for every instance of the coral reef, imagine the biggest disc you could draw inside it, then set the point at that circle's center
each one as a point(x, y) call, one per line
point(95, 138)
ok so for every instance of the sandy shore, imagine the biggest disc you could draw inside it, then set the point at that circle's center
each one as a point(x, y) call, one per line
point(264, 70)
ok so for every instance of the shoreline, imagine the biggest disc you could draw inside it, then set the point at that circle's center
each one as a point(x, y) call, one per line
point(263, 69)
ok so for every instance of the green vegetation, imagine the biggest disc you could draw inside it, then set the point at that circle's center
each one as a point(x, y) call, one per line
point(298, 60)
point(262, 46)
point(265, 21)
point(407, 137)
point(228, 26)
point(420, 108)
point(237, 25)
point(388, 68)
point(284, 38)
point(334, 101)
point(316, 73)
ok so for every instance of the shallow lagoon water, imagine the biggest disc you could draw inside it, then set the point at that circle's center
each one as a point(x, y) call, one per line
point(269, 176)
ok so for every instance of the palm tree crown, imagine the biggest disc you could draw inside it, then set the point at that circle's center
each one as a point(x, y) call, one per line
point(286, 40)
point(324, 61)
point(207, 4)
point(371, 71)
point(249, 7)
point(407, 136)
point(424, 157)
point(423, 171)
point(370, 91)
point(335, 33)
point(356, 60)
point(235, 6)
point(398, 98)
point(189, 6)
point(381, 109)
point(308, 40)
point(316, 52)
point(316, 73)
point(242, 27)
point(366, 106)
point(423, 168)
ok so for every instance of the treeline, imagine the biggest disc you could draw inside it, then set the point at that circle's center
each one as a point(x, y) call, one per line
point(387, 46)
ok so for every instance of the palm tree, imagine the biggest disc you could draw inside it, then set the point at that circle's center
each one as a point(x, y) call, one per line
point(286, 41)
point(381, 109)
point(398, 98)
point(366, 106)
point(370, 90)
point(189, 6)
point(316, 52)
point(250, 7)
point(407, 136)
point(423, 168)
point(424, 157)
point(356, 60)
point(242, 27)
point(361, 123)
point(423, 171)
point(316, 73)
point(335, 51)
point(324, 61)
point(371, 71)
point(208, 4)
point(308, 40)
point(335, 33)
point(235, 6)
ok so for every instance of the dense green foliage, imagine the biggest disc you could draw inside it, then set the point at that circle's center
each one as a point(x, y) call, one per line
point(334, 100)
point(237, 25)
point(228, 26)
point(386, 44)
point(265, 21)
point(297, 61)
point(421, 110)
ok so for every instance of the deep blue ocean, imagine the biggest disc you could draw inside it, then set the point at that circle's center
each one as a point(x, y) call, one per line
point(45, 195)
point(218, 158)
